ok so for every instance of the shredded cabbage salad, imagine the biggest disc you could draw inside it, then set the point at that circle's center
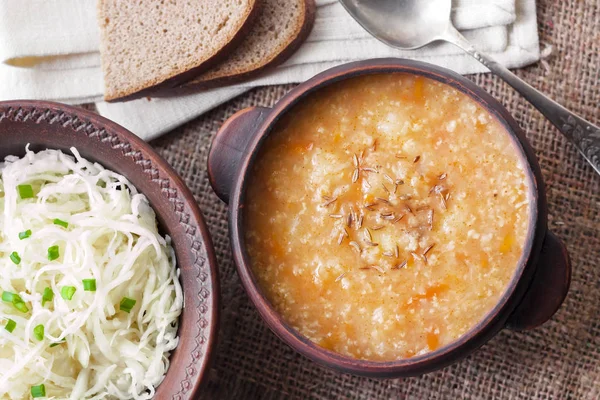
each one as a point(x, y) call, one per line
point(90, 289)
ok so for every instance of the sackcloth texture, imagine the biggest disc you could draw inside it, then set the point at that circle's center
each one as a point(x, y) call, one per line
point(560, 360)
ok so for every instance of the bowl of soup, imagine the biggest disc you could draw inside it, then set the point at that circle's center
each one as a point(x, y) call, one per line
point(388, 217)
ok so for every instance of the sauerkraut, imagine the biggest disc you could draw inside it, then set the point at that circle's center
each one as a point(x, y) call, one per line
point(90, 289)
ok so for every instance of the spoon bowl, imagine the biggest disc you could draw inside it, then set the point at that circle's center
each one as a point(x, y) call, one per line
point(406, 24)
point(410, 24)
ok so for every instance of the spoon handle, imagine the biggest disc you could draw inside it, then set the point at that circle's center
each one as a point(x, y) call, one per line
point(583, 134)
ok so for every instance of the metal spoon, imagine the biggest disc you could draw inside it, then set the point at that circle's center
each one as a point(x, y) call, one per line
point(410, 24)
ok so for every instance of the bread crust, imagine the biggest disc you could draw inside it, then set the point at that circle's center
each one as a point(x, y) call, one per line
point(195, 86)
point(185, 76)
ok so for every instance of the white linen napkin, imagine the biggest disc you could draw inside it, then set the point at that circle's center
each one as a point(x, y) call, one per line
point(49, 50)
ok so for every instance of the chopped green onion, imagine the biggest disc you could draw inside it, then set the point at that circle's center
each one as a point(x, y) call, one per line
point(21, 306)
point(53, 253)
point(25, 191)
point(9, 297)
point(24, 234)
point(57, 343)
point(16, 300)
point(38, 391)
point(48, 295)
point(60, 222)
point(10, 325)
point(38, 332)
point(127, 304)
point(89, 285)
point(14, 256)
point(67, 292)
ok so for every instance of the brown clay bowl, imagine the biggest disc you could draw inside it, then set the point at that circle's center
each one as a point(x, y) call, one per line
point(534, 294)
point(57, 126)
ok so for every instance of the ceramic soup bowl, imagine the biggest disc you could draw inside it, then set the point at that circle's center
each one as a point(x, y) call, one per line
point(535, 292)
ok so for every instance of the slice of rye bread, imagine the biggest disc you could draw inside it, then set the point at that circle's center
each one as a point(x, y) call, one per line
point(279, 29)
point(150, 44)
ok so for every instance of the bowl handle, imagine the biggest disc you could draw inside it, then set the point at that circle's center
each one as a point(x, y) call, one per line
point(229, 147)
point(548, 288)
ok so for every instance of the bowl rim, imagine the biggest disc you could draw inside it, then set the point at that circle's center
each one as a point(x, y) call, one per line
point(84, 123)
point(494, 320)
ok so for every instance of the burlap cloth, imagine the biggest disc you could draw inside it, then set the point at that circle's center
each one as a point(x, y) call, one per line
point(560, 360)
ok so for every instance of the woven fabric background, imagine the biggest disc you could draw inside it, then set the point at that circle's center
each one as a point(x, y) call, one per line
point(560, 360)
